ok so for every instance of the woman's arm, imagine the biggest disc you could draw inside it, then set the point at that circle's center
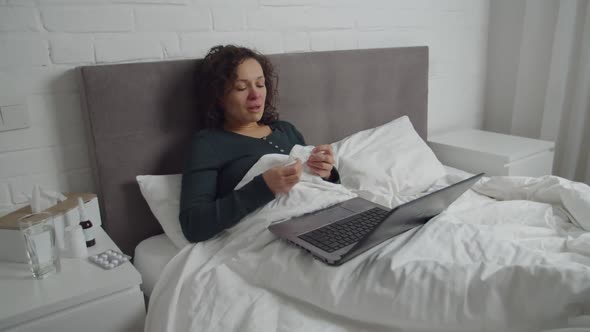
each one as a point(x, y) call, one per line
point(203, 214)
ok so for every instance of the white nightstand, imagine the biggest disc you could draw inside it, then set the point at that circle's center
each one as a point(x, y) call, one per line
point(82, 297)
point(495, 154)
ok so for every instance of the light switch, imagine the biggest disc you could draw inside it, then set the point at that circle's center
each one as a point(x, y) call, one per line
point(13, 115)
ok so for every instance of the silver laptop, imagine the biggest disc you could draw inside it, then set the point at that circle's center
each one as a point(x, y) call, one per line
point(343, 231)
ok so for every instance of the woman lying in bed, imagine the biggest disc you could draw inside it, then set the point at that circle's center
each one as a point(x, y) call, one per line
point(236, 94)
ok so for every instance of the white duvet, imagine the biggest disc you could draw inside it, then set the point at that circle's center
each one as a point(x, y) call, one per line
point(514, 262)
point(483, 265)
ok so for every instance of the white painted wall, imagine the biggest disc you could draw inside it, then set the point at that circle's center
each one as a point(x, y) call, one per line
point(42, 40)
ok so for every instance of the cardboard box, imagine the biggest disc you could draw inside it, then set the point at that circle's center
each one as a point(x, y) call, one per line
point(12, 247)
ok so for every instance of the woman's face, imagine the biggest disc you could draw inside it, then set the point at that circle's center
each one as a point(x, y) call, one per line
point(244, 100)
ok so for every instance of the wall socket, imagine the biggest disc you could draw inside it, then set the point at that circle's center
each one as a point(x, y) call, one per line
point(13, 114)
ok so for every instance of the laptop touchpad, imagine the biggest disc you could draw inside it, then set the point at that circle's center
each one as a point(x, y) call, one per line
point(335, 214)
point(357, 205)
point(309, 222)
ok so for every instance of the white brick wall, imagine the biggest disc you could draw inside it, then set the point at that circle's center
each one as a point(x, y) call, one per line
point(41, 41)
point(18, 19)
point(296, 41)
point(127, 48)
point(74, 50)
point(88, 19)
point(5, 200)
point(175, 18)
point(56, 120)
point(24, 162)
point(23, 51)
point(300, 18)
point(228, 19)
point(287, 2)
point(197, 44)
point(333, 40)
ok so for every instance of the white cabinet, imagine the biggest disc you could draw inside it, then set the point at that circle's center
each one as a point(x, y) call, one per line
point(493, 153)
point(81, 297)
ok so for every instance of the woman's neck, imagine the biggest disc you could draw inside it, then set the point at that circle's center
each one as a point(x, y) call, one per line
point(241, 127)
point(252, 129)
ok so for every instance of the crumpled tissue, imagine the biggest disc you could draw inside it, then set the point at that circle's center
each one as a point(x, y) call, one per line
point(41, 199)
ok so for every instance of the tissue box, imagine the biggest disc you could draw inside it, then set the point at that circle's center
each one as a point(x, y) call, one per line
point(12, 247)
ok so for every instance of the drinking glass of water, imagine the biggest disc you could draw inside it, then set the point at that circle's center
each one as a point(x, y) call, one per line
point(39, 236)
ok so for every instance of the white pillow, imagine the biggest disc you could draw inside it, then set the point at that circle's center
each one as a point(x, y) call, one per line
point(162, 193)
point(389, 160)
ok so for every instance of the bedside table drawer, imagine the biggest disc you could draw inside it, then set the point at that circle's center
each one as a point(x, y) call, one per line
point(81, 297)
point(536, 165)
point(495, 154)
point(122, 311)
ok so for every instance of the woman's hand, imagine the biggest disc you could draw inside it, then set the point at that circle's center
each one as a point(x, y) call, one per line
point(281, 179)
point(321, 160)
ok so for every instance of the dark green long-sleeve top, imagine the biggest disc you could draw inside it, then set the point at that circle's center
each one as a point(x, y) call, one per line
point(218, 161)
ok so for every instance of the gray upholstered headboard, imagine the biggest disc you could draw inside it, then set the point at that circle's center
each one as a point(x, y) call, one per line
point(141, 116)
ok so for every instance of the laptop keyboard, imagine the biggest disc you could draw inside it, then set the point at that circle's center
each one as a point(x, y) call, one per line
point(343, 233)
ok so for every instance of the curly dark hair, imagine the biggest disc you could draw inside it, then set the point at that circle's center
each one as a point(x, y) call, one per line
point(217, 70)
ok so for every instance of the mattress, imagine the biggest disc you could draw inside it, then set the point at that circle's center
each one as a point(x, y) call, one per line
point(151, 256)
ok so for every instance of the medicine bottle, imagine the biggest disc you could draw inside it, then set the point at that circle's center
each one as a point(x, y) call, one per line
point(86, 224)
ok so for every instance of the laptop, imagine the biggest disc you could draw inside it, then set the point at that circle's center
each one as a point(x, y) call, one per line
point(343, 231)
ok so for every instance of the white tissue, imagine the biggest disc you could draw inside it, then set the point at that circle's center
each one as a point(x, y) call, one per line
point(302, 153)
point(41, 199)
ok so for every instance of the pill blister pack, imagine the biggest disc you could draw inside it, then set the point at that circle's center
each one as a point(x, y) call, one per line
point(109, 259)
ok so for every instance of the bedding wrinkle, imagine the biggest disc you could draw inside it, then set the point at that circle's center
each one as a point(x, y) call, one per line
point(574, 197)
point(203, 304)
point(174, 271)
point(296, 315)
point(223, 314)
point(579, 243)
point(245, 320)
point(269, 281)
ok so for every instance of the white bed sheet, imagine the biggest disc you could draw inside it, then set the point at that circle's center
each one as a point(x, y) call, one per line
point(151, 256)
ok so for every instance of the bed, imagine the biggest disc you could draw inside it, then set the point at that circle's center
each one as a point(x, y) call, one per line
point(510, 255)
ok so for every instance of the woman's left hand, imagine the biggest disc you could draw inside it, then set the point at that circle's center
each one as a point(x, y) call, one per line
point(321, 160)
